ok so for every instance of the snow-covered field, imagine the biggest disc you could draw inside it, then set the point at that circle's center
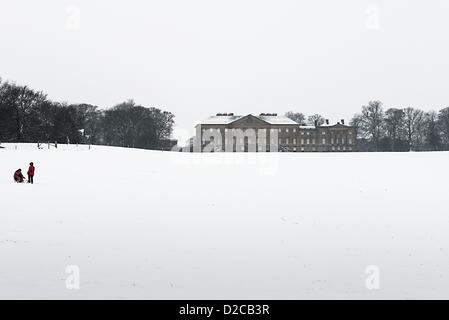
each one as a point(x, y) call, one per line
point(164, 225)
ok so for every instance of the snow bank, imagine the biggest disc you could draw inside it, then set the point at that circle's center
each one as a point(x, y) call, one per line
point(163, 225)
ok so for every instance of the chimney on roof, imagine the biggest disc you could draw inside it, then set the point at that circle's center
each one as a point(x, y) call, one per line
point(342, 121)
point(230, 114)
point(327, 121)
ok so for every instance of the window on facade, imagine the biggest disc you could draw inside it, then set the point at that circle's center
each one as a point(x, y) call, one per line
point(302, 141)
point(308, 141)
point(294, 140)
point(313, 141)
point(308, 133)
point(280, 130)
point(286, 140)
point(350, 141)
point(332, 140)
point(324, 141)
point(286, 130)
point(323, 133)
point(294, 129)
point(302, 132)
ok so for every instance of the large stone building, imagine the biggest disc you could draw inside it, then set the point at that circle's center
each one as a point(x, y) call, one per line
point(270, 132)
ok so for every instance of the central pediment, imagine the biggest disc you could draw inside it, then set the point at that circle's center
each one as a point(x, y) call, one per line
point(249, 121)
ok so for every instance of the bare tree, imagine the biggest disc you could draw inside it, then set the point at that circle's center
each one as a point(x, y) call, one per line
point(128, 124)
point(413, 125)
point(20, 100)
point(443, 121)
point(356, 122)
point(296, 116)
point(319, 119)
point(420, 133)
point(371, 121)
point(394, 125)
point(433, 137)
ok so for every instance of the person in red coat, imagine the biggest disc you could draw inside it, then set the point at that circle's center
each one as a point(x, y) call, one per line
point(18, 176)
point(30, 173)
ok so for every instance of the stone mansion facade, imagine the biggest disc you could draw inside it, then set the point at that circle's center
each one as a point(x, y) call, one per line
point(269, 132)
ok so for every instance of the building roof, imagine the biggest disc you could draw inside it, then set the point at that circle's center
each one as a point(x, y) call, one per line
point(276, 119)
point(229, 118)
point(225, 119)
point(338, 124)
point(271, 118)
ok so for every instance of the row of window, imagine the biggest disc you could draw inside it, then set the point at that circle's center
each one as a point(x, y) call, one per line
point(303, 141)
point(333, 149)
point(242, 148)
point(313, 141)
point(272, 130)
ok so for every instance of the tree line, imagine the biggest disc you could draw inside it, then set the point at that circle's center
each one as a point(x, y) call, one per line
point(394, 129)
point(401, 129)
point(301, 118)
point(27, 115)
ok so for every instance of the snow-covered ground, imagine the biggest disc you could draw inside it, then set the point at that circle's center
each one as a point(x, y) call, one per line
point(165, 225)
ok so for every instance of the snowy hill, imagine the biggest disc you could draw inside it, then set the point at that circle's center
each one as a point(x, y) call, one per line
point(164, 225)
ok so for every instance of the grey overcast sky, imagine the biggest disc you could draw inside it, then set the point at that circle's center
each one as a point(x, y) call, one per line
point(199, 57)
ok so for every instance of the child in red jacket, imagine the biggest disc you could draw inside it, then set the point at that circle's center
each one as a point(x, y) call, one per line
point(18, 176)
point(30, 173)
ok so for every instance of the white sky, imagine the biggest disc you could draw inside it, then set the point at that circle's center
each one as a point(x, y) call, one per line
point(199, 57)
